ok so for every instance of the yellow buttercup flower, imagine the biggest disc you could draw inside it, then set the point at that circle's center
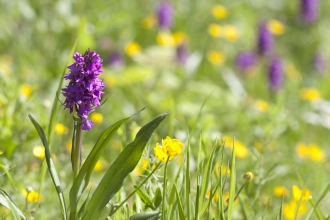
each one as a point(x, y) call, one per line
point(133, 48)
point(261, 105)
point(296, 191)
point(68, 146)
point(165, 39)
point(1, 152)
point(215, 57)
point(216, 30)
point(289, 209)
point(98, 166)
point(248, 176)
point(149, 22)
point(97, 118)
point(179, 38)
point(280, 191)
point(32, 196)
point(241, 150)
point(224, 169)
point(310, 94)
point(312, 151)
point(219, 11)
point(302, 150)
point(215, 196)
point(316, 153)
point(231, 33)
point(170, 148)
point(143, 166)
point(39, 152)
point(26, 90)
point(276, 27)
point(61, 129)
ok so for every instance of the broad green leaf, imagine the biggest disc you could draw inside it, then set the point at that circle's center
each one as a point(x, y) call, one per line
point(6, 201)
point(87, 168)
point(181, 213)
point(121, 167)
point(51, 167)
point(146, 216)
point(144, 197)
point(158, 198)
point(232, 184)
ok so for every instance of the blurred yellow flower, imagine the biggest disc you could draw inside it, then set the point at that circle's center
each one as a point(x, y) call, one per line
point(32, 196)
point(248, 176)
point(261, 105)
point(39, 152)
point(219, 11)
point(312, 151)
point(142, 167)
point(4, 211)
point(149, 22)
point(5, 69)
point(179, 37)
point(259, 146)
point(310, 94)
point(241, 149)
point(292, 72)
point(68, 146)
point(165, 39)
point(170, 148)
point(215, 57)
point(99, 166)
point(132, 48)
point(296, 191)
point(215, 30)
point(1, 152)
point(110, 80)
point(61, 129)
point(97, 118)
point(316, 153)
point(231, 33)
point(302, 150)
point(276, 27)
point(289, 209)
point(215, 197)
point(26, 90)
point(224, 169)
point(280, 191)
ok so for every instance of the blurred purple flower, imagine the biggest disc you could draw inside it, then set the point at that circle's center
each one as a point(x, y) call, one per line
point(165, 15)
point(276, 74)
point(84, 91)
point(309, 10)
point(245, 60)
point(182, 53)
point(320, 63)
point(265, 40)
point(116, 59)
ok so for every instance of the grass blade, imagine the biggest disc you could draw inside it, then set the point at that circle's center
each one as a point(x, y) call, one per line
point(121, 167)
point(181, 213)
point(6, 201)
point(232, 184)
point(51, 167)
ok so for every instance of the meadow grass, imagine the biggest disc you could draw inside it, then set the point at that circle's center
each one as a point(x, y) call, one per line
point(243, 85)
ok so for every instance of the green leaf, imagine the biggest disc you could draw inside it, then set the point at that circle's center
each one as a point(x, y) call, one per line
point(121, 167)
point(158, 198)
point(232, 184)
point(146, 216)
point(181, 213)
point(144, 197)
point(51, 167)
point(6, 201)
point(86, 170)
